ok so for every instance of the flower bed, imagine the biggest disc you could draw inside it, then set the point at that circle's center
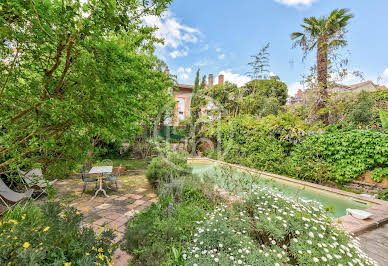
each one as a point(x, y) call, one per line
point(263, 228)
point(269, 229)
point(51, 234)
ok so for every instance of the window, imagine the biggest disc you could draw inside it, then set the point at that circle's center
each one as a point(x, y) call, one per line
point(181, 108)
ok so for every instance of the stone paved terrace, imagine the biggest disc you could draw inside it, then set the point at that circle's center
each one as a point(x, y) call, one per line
point(135, 194)
point(375, 244)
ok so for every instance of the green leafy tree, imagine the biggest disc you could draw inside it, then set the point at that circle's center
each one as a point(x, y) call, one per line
point(226, 96)
point(324, 34)
point(361, 110)
point(384, 119)
point(260, 64)
point(73, 72)
point(268, 88)
point(196, 104)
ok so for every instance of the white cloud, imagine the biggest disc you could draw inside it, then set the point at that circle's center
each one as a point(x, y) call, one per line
point(172, 31)
point(184, 73)
point(271, 74)
point(221, 56)
point(205, 47)
point(348, 78)
point(179, 53)
point(238, 79)
point(385, 77)
point(201, 62)
point(294, 87)
point(218, 49)
point(296, 2)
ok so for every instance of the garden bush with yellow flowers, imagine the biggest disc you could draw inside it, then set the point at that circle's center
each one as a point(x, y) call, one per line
point(52, 234)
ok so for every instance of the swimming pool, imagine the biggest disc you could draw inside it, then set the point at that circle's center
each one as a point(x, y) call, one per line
point(335, 202)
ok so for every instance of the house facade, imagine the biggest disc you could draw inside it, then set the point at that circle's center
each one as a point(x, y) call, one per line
point(338, 89)
point(183, 94)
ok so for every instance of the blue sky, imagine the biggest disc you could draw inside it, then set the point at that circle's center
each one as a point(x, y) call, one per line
point(219, 36)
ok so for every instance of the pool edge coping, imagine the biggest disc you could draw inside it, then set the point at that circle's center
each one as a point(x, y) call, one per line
point(347, 222)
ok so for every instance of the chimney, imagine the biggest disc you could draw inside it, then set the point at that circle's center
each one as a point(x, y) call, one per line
point(300, 93)
point(210, 82)
point(166, 70)
point(220, 79)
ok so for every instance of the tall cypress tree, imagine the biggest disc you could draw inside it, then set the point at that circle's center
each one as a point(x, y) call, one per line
point(195, 112)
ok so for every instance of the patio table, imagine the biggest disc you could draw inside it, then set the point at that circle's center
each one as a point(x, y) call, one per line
point(101, 170)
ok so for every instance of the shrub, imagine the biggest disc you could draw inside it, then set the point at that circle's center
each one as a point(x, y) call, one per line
point(306, 163)
point(361, 110)
point(350, 153)
point(51, 234)
point(168, 167)
point(379, 173)
point(269, 229)
point(154, 233)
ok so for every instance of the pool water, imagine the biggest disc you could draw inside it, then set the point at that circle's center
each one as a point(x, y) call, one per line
point(337, 204)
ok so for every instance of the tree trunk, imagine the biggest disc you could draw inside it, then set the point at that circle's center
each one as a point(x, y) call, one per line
point(322, 60)
point(88, 163)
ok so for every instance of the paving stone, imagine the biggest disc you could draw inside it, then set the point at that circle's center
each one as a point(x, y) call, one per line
point(116, 224)
point(120, 258)
point(152, 195)
point(138, 202)
point(102, 221)
point(122, 198)
point(131, 213)
point(110, 214)
point(134, 196)
point(122, 229)
point(141, 190)
point(104, 206)
point(153, 200)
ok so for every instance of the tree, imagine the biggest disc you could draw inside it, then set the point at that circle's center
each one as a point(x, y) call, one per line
point(260, 64)
point(361, 112)
point(268, 88)
point(325, 34)
point(73, 72)
point(195, 112)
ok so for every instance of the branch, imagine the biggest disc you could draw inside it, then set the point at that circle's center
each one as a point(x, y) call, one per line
point(67, 65)
point(37, 17)
point(25, 111)
point(6, 163)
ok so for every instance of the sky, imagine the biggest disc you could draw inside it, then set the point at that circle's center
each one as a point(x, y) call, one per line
point(220, 36)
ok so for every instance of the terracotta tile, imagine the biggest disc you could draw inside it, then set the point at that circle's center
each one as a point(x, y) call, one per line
point(122, 229)
point(131, 213)
point(116, 224)
point(111, 215)
point(104, 206)
point(138, 202)
point(136, 197)
point(120, 258)
point(122, 198)
point(102, 221)
point(154, 200)
point(140, 190)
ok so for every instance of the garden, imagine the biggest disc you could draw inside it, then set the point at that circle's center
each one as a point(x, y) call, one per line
point(90, 173)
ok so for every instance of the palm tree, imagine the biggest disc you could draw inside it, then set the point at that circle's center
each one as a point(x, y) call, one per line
point(326, 34)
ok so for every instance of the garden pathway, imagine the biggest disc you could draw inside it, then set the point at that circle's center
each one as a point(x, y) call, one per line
point(135, 194)
point(375, 244)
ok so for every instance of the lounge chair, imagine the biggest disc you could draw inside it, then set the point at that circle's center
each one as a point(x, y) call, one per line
point(34, 180)
point(112, 178)
point(10, 196)
point(87, 180)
